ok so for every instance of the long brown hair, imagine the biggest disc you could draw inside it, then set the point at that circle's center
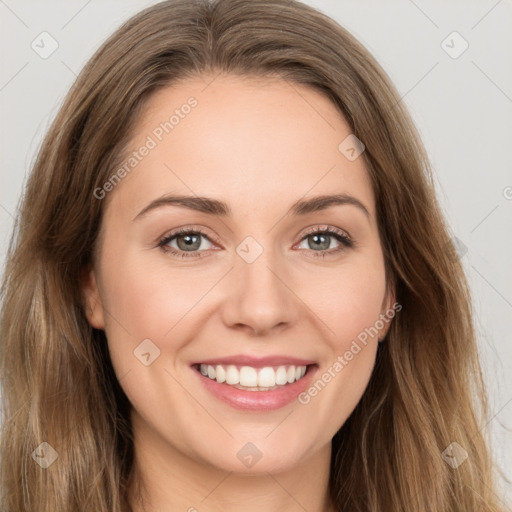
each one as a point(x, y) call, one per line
point(59, 387)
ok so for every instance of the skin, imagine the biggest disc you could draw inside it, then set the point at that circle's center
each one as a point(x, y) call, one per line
point(259, 145)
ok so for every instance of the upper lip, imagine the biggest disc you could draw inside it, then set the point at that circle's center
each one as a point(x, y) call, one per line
point(256, 362)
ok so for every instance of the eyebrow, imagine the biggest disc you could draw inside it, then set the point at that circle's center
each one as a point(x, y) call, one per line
point(216, 207)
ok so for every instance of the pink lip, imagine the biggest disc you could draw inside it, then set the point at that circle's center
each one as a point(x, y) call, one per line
point(258, 401)
point(256, 362)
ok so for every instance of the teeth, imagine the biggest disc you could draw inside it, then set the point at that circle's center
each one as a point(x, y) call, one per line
point(248, 377)
point(232, 375)
point(256, 378)
point(220, 374)
point(266, 377)
point(281, 376)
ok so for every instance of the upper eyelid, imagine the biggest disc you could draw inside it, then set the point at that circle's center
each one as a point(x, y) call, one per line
point(324, 227)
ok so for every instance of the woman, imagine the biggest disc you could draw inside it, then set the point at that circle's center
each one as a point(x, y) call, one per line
point(173, 337)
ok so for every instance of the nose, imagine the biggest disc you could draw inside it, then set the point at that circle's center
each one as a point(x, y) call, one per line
point(259, 298)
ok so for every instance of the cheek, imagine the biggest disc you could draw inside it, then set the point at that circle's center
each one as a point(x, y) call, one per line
point(349, 299)
point(148, 299)
point(349, 304)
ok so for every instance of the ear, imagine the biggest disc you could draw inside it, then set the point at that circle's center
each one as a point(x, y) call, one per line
point(388, 312)
point(91, 298)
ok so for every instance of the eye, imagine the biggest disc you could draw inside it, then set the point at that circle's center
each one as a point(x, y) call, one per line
point(187, 243)
point(321, 238)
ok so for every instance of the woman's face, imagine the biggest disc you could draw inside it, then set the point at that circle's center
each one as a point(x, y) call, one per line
point(261, 286)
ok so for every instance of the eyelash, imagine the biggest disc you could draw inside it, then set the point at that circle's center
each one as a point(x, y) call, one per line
point(345, 241)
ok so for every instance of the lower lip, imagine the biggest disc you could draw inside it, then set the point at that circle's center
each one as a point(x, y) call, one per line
point(258, 400)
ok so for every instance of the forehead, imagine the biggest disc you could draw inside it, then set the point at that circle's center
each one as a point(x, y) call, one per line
point(252, 142)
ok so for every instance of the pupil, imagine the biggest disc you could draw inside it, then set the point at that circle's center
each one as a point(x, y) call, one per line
point(189, 242)
point(326, 242)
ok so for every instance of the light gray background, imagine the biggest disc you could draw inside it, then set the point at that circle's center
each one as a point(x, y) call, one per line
point(462, 107)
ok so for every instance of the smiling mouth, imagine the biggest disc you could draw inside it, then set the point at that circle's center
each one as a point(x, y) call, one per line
point(249, 378)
